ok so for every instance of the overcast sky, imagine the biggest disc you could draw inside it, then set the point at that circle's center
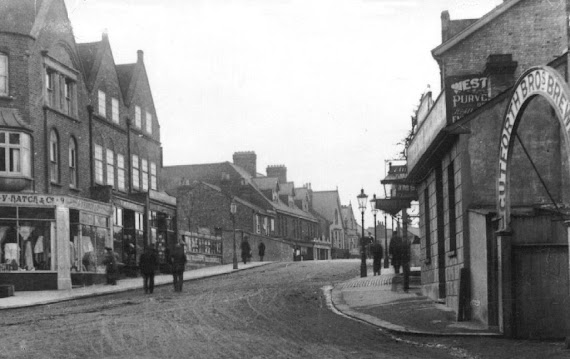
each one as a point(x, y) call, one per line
point(324, 87)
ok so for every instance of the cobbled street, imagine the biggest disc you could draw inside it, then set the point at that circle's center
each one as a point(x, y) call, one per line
point(274, 311)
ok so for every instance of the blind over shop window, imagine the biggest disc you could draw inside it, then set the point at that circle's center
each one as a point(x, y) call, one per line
point(25, 237)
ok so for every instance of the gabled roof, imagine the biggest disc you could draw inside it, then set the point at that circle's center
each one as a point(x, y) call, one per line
point(325, 202)
point(237, 199)
point(18, 16)
point(266, 183)
point(90, 57)
point(474, 27)
point(125, 73)
point(287, 188)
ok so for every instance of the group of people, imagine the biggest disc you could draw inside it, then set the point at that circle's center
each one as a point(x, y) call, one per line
point(399, 251)
point(246, 253)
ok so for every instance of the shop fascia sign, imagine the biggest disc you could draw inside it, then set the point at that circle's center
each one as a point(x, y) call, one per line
point(463, 94)
point(52, 201)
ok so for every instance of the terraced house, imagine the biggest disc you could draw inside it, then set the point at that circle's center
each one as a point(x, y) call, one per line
point(80, 153)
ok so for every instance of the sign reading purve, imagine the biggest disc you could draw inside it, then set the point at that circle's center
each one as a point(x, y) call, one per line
point(537, 81)
point(463, 94)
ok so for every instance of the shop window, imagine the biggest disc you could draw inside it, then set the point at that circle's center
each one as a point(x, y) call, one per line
point(114, 110)
point(120, 172)
point(138, 117)
point(110, 168)
point(54, 157)
point(72, 163)
point(92, 240)
point(153, 184)
point(136, 173)
point(148, 122)
point(25, 239)
point(101, 98)
point(3, 75)
point(15, 155)
point(99, 164)
point(144, 176)
point(118, 245)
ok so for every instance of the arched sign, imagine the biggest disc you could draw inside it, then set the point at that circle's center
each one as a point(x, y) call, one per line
point(540, 80)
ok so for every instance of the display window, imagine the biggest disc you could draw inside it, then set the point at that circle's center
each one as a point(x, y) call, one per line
point(26, 238)
point(89, 236)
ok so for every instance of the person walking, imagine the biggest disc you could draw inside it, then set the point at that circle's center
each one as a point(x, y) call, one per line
point(376, 250)
point(148, 262)
point(395, 250)
point(178, 260)
point(261, 248)
point(245, 250)
point(111, 262)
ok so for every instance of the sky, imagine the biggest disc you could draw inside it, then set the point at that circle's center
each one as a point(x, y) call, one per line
point(325, 87)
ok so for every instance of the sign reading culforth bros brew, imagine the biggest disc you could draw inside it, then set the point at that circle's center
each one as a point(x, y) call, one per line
point(463, 94)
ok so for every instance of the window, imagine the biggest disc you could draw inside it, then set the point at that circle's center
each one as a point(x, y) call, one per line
point(53, 157)
point(120, 172)
point(110, 168)
point(68, 106)
point(115, 110)
point(118, 216)
point(50, 88)
point(148, 122)
point(272, 225)
point(139, 221)
point(144, 168)
point(257, 224)
point(101, 101)
point(153, 176)
point(72, 163)
point(138, 117)
point(136, 173)
point(451, 209)
point(99, 164)
point(3, 75)
point(15, 155)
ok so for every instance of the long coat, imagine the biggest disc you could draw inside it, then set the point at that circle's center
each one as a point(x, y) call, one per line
point(245, 249)
point(148, 262)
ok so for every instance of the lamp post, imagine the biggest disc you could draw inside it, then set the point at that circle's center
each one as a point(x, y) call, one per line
point(233, 211)
point(374, 212)
point(386, 259)
point(362, 206)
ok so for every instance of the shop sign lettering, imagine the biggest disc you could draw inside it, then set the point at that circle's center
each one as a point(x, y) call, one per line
point(464, 94)
point(50, 201)
point(540, 80)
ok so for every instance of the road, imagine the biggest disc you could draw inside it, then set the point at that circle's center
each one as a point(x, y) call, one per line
point(274, 311)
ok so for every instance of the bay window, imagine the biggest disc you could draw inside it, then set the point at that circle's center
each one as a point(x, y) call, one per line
point(15, 155)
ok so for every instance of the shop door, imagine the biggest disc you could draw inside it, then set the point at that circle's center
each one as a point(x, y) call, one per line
point(540, 274)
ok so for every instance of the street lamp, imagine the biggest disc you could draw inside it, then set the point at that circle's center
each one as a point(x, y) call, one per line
point(362, 206)
point(233, 210)
point(374, 212)
point(386, 259)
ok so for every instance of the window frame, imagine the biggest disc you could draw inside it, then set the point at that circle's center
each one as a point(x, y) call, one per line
point(121, 172)
point(144, 174)
point(23, 148)
point(101, 104)
point(99, 165)
point(135, 172)
point(138, 117)
point(153, 177)
point(72, 159)
point(4, 74)
point(148, 122)
point(54, 157)
point(110, 165)
point(115, 110)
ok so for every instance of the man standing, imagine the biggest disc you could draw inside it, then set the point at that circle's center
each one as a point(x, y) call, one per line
point(178, 259)
point(396, 251)
point(111, 262)
point(376, 250)
point(245, 250)
point(261, 248)
point(148, 263)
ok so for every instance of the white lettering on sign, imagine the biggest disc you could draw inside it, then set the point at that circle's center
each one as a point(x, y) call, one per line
point(543, 81)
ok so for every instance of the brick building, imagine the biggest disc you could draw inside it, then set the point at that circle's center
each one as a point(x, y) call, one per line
point(266, 206)
point(453, 158)
point(75, 175)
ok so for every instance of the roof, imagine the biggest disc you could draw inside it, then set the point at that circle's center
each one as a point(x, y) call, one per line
point(125, 74)
point(474, 27)
point(265, 183)
point(237, 199)
point(10, 117)
point(18, 16)
point(87, 54)
point(287, 188)
point(325, 202)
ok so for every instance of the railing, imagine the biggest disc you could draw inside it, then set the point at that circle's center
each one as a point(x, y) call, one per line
point(428, 130)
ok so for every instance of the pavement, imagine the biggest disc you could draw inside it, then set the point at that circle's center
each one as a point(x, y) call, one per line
point(382, 302)
point(377, 300)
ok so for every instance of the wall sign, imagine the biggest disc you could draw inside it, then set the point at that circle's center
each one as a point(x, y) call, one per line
point(463, 94)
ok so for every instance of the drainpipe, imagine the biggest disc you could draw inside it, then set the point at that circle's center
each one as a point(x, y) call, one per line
point(128, 164)
point(91, 154)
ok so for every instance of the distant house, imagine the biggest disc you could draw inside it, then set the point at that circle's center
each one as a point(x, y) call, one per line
point(327, 204)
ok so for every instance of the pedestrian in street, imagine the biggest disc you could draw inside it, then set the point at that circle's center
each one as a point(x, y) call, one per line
point(396, 251)
point(148, 262)
point(261, 248)
point(376, 250)
point(405, 262)
point(111, 262)
point(245, 250)
point(178, 260)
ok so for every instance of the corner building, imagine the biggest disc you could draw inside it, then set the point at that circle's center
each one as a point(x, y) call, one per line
point(80, 154)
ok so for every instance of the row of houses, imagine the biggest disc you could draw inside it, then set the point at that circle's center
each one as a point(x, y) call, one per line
point(81, 169)
point(489, 159)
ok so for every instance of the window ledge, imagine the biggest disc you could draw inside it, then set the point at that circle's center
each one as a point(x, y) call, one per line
point(55, 184)
point(74, 189)
point(70, 117)
point(6, 97)
point(452, 254)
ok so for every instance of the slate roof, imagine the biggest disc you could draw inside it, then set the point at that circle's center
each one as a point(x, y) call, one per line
point(18, 16)
point(325, 202)
point(266, 183)
point(125, 73)
point(10, 117)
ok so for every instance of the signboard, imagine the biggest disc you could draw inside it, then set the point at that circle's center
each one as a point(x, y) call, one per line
point(463, 94)
point(392, 205)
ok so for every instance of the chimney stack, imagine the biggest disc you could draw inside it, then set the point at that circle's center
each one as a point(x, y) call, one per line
point(278, 171)
point(246, 160)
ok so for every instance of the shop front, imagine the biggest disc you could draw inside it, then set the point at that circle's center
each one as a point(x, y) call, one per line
point(46, 240)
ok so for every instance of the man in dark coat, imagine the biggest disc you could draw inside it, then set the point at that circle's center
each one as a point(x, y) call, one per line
point(261, 248)
point(148, 263)
point(376, 250)
point(245, 250)
point(178, 259)
point(396, 251)
point(111, 262)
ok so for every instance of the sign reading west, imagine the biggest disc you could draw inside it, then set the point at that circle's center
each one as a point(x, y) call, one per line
point(463, 94)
